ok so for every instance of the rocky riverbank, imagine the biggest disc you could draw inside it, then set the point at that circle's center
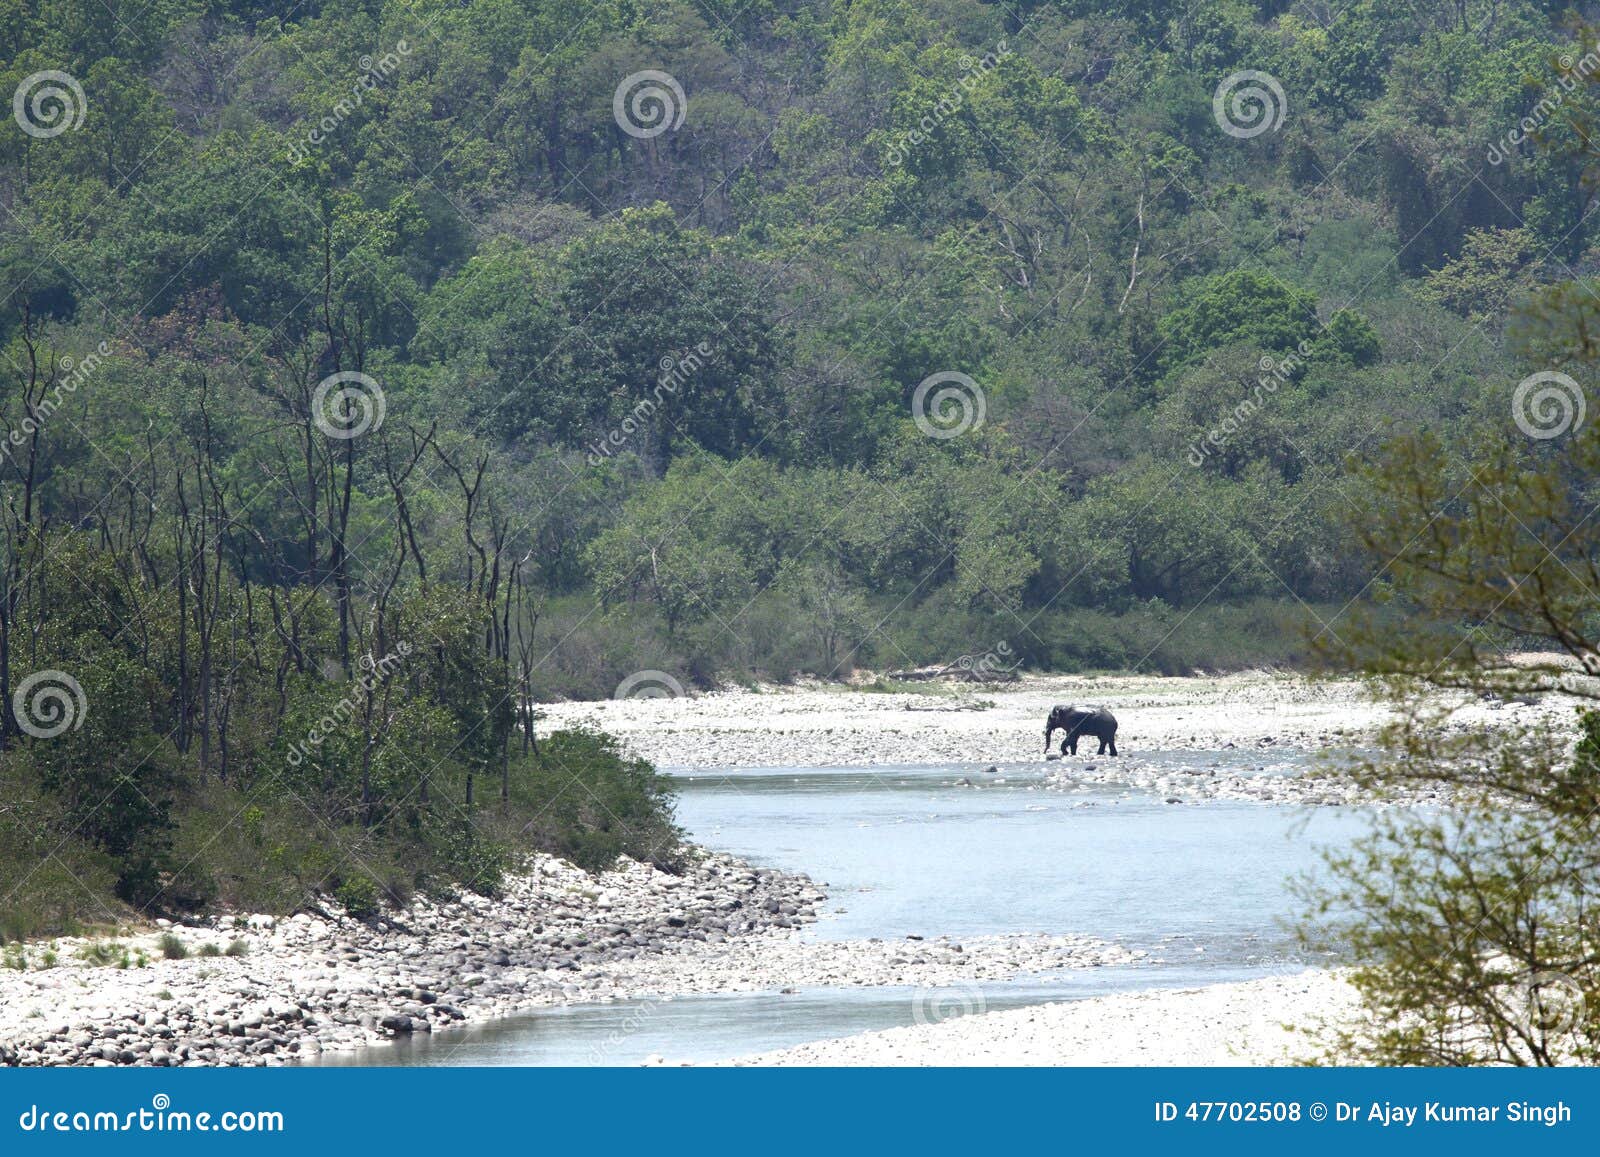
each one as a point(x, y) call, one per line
point(290, 988)
point(1277, 776)
point(1275, 1021)
point(833, 726)
point(1283, 729)
point(254, 990)
point(953, 722)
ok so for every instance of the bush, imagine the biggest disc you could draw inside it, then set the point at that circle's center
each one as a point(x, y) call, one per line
point(45, 892)
point(171, 947)
point(359, 896)
point(102, 953)
point(581, 799)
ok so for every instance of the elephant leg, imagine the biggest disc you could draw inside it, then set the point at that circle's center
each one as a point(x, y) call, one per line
point(1112, 743)
point(1102, 750)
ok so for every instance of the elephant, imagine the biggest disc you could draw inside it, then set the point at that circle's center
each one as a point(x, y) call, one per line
point(1078, 720)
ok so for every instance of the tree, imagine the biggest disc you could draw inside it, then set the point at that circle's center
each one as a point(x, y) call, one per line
point(1238, 307)
point(675, 337)
point(1473, 933)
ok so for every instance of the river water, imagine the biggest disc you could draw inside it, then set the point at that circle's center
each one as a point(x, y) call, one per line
point(1200, 887)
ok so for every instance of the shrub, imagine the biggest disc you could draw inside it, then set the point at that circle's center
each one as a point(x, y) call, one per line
point(238, 948)
point(51, 875)
point(101, 953)
point(359, 896)
point(171, 947)
point(588, 803)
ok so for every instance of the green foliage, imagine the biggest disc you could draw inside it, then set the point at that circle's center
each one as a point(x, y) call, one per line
point(1484, 280)
point(103, 953)
point(1473, 935)
point(359, 895)
point(1238, 307)
point(172, 948)
point(590, 803)
point(648, 402)
point(1472, 929)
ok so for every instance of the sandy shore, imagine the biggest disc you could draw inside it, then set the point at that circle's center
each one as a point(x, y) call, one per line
point(1257, 1022)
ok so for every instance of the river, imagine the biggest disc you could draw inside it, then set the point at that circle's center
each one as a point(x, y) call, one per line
point(1201, 888)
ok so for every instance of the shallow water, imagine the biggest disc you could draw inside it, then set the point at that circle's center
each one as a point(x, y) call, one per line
point(905, 850)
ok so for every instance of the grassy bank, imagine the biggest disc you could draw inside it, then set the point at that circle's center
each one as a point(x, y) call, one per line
point(256, 844)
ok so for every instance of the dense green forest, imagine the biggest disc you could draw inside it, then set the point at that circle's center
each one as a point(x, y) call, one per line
point(406, 362)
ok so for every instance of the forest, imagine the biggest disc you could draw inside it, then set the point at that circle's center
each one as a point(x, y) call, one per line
point(374, 371)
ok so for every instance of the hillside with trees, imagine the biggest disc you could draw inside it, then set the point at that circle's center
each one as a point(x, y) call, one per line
point(404, 364)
